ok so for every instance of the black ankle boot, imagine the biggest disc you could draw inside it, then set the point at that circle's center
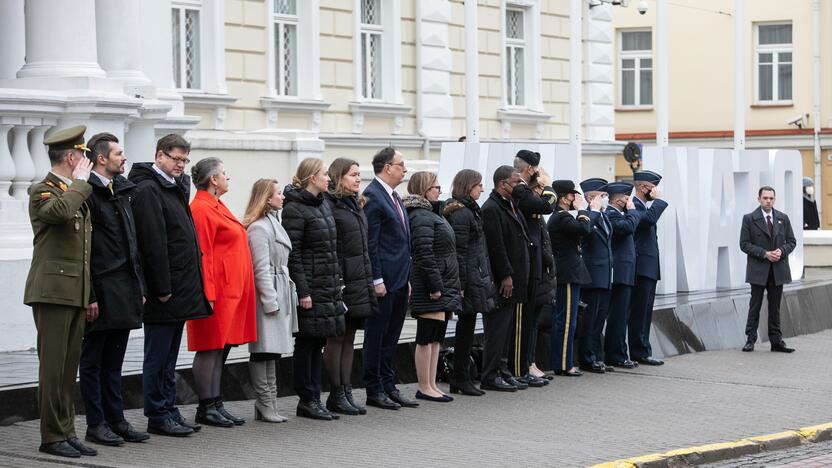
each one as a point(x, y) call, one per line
point(348, 396)
point(466, 387)
point(207, 413)
point(338, 403)
point(313, 410)
point(224, 412)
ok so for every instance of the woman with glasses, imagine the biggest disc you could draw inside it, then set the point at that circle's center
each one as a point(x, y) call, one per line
point(434, 278)
point(228, 281)
point(477, 288)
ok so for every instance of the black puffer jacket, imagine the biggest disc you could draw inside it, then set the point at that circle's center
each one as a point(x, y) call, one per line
point(353, 256)
point(471, 255)
point(433, 251)
point(547, 283)
point(313, 263)
point(171, 259)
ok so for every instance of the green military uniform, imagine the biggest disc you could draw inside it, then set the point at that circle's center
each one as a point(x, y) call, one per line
point(58, 286)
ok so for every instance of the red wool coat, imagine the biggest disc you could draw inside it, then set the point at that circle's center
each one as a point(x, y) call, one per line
point(228, 278)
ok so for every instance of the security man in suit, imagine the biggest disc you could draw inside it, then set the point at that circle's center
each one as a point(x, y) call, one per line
point(647, 200)
point(597, 252)
point(624, 218)
point(532, 206)
point(58, 285)
point(767, 238)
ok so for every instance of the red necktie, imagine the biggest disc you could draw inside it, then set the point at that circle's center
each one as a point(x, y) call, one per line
point(770, 226)
point(398, 206)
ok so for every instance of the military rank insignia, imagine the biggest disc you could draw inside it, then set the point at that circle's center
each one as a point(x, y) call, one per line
point(45, 195)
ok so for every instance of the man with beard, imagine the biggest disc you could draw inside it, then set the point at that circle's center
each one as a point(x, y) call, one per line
point(648, 201)
point(532, 207)
point(117, 295)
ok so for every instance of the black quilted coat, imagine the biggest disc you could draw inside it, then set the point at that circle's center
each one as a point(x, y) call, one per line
point(353, 256)
point(433, 250)
point(471, 255)
point(313, 263)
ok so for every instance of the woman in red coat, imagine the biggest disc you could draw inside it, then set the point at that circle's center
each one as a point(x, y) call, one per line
point(228, 280)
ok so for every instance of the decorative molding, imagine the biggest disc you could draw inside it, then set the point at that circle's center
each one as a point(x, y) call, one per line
point(218, 102)
point(382, 109)
point(275, 105)
point(509, 116)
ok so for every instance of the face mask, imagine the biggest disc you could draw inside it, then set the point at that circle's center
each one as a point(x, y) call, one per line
point(517, 191)
point(810, 191)
point(648, 196)
point(605, 202)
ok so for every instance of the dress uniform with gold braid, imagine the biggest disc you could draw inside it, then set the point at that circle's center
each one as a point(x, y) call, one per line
point(58, 288)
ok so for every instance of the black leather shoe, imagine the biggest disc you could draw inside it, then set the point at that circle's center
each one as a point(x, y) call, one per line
point(351, 400)
point(518, 384)
point(224, 412)
point(381, 400)
point(179, 419)
point(338, 403)
point(128, 433)
point(76, 443)
point(749, 347)
point(466, 387)
point(209, 414)
point(498, 385)
point(442, 399)
point(313, 410)
point(781, 348)
point(397, 396)
point(649, 361)
point(102, 434)
point(169, 428)
point(607, 367)
point(533, 381)
point(628, 364)
point(595, 368)
point(60, 449)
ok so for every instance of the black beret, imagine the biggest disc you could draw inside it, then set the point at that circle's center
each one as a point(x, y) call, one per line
point(530, 157)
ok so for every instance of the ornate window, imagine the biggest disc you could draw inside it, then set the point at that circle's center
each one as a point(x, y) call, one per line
point(185, 21)
point(286, 47)
point(515, 57)
point(371, 32)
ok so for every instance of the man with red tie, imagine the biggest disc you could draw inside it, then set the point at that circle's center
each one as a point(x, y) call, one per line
point(767, 238)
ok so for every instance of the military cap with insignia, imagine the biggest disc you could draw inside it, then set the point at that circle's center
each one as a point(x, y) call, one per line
point(564, 186)
point(614, 188)
point(647, 176)
point(68, 138)
point(595, 184)
point(530, 157)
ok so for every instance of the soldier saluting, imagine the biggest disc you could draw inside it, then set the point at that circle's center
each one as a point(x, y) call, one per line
point(58, 285)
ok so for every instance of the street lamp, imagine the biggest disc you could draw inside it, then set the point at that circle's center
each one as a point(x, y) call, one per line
point(642, 4)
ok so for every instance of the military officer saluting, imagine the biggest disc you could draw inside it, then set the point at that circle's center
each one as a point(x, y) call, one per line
point(58, 285)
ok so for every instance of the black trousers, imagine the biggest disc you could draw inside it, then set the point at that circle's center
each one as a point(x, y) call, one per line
point(595, 315)
point(463, 341)
point(641, 316)
point(381, 336)
point(519, 337)
point(774, 294)
point(102, 354)
point(161, 350)
point(615, 337)
point(497, 323)
point(306, 362)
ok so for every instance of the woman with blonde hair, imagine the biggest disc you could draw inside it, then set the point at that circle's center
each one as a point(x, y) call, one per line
point(276, 297)
point(313, 266)
point(347, 207)
point(434, 278)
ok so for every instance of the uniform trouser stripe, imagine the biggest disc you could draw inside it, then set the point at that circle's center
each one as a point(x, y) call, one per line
point(566, 328)
point(518, 324)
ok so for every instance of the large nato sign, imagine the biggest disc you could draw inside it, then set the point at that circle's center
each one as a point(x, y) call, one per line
point(709, 190)
point(559, 160)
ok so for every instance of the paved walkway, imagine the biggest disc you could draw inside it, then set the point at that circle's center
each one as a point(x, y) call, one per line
point(694, 399)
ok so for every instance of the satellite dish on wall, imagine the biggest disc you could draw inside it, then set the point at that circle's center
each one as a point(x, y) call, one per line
point(632, 154)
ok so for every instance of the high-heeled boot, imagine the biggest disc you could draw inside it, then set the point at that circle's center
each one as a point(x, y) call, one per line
point(337, 402)
point(263, 409)
point(348, 396)
point(271, 377)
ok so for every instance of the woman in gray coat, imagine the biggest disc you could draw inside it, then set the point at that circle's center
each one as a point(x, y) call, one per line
point(276, 297)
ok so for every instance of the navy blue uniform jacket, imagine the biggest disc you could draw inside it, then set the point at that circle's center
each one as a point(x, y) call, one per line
point(647, 243)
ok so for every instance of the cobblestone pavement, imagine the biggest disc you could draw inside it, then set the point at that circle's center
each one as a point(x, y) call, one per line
point(694, 399)
point(804, 456)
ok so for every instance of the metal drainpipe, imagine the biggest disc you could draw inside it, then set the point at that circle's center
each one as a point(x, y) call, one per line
point(816, 103)
point(418, 81)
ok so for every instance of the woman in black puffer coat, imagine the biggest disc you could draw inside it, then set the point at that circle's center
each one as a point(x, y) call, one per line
point(359, 295)
point(477, 287)
point(434, 278)
point(313, 266)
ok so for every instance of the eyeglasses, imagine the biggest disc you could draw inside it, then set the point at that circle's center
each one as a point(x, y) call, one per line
point(397, 164)
point(177, 160)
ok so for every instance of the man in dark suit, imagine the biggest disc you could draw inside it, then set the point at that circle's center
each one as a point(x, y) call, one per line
point(624, 218)
point(508, 251)
point(647, 200)
point(117, 295)
point(597, 252)
point(532, 207)
point(389, 245)
point(767, 238)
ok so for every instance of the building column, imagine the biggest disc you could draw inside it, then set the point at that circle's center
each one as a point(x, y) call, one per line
point(13, 52)
point(60, 39)
point(6, 163)
point(119, 40)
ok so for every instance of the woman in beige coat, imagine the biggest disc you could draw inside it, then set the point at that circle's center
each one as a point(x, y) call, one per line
point(276, 296)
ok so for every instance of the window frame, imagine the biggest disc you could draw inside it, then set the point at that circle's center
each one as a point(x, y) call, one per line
point(390, 73)
point(775, 50)
point(512, 45)
point(280, 22)
point(532, 78)
point(182, 7)
point(637, 56)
